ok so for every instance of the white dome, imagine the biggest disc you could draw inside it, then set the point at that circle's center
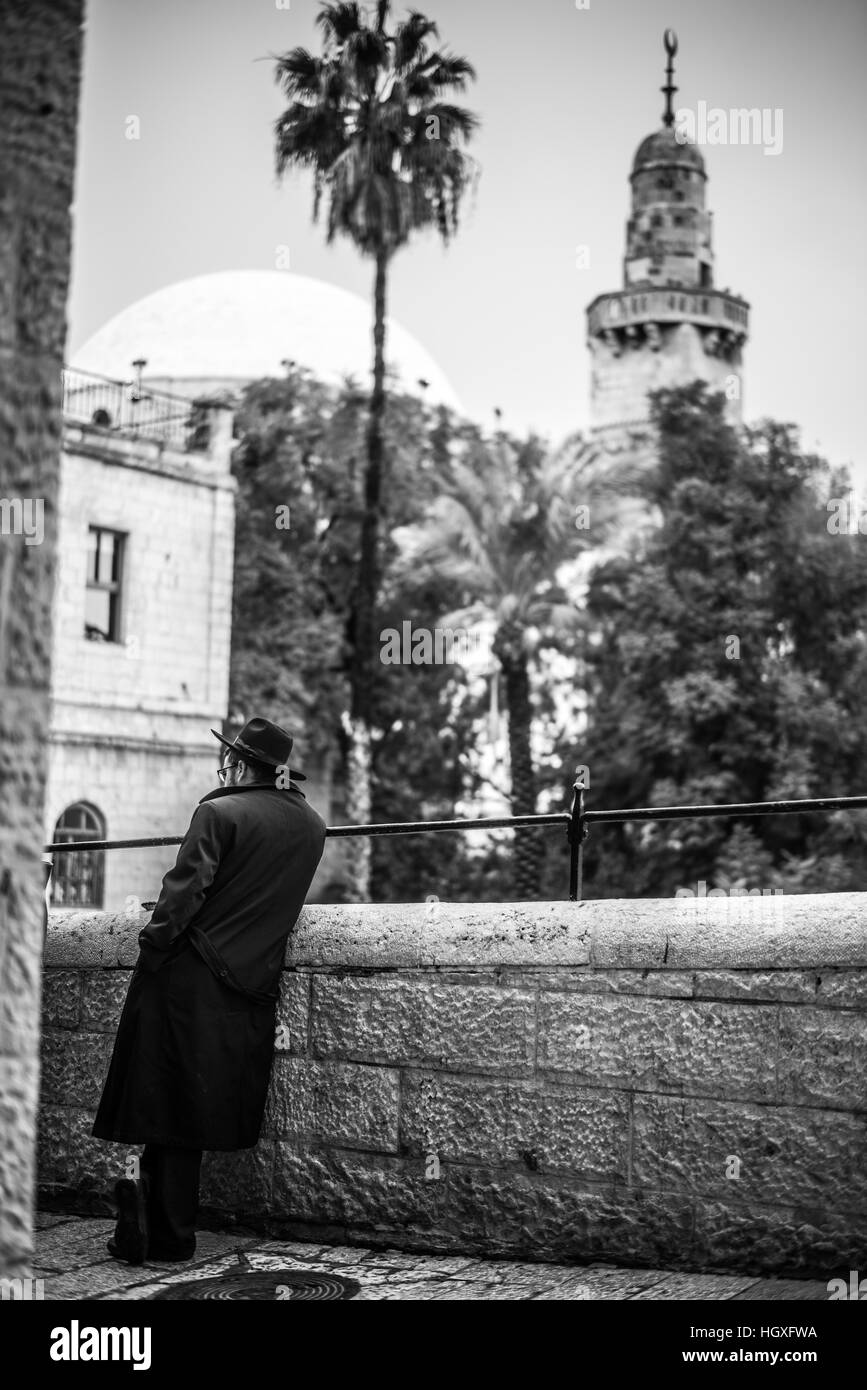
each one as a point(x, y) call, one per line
point(238, 325)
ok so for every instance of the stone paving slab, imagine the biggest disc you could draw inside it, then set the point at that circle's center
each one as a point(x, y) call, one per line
point(330, 1254)
point(579, 1290)
point(697, 1286)
point(44, 1219)
point(94, 1281)
point(140, 1292)
point(152, 1277)
point(73, 1245)
point(400, 1277)
point(72, 1260)
point(453, 1290)
point(776, 1290)
point(436, 1264)
point(606, 1283)
point(362, 1272)
point(213, 1245)
point(78, 1245)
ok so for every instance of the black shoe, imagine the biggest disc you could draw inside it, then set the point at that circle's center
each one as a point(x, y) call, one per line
point(130, 1242)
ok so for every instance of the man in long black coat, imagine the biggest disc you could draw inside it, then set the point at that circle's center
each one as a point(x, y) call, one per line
point(195, 1042)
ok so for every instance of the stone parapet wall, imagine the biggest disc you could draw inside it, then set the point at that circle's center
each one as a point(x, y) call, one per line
point(676, 1083)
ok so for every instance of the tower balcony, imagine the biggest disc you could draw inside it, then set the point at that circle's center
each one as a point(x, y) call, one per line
point(715, 310)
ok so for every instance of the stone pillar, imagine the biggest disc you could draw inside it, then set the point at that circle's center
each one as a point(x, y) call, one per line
point(221, 420)
point(40, 54)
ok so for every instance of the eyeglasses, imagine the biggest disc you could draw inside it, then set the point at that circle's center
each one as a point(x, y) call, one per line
point(221, 771)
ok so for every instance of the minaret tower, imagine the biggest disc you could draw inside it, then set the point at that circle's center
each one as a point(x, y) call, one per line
point(668, 325)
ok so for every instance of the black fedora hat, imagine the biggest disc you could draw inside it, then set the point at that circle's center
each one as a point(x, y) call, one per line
point(261, 739)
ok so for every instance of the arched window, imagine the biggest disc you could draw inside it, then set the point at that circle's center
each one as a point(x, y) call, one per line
point(79, 875)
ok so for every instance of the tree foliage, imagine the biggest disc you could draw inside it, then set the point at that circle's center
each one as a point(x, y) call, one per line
point(370, 117)
point(501, 532)
point(729, 664)
point(299, 448)
point(720, 654)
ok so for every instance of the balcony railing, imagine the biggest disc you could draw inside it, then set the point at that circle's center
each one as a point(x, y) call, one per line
point(127, 408)
point(705, 306)
point(576, 821)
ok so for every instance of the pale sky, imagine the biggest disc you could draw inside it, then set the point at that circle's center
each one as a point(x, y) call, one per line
point(565, 95)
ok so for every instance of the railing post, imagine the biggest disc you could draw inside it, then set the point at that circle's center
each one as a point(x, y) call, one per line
point(577, 834)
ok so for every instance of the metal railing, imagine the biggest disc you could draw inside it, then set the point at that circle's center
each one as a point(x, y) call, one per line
point(127, 408)
point(706, 305)
point(577, 821)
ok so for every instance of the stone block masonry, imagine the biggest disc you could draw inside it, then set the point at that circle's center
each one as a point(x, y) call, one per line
point(40, 63)
point(130, 719)
point(614, 1081)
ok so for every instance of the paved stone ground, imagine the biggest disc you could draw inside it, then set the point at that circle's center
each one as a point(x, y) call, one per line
point(73, 1262)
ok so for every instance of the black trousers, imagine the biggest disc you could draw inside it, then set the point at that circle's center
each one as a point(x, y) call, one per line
point(173, 1197)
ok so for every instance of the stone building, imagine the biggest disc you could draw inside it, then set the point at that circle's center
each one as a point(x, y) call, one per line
point(668, 325)
point(142, 623)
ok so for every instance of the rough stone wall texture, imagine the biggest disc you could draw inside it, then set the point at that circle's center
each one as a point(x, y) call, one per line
point(620, 384)
point(40, 47)
point(176, 602)
point(553, 1081)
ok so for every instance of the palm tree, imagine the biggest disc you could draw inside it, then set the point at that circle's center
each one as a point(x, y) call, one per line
point(506, 525)
point(370, 118)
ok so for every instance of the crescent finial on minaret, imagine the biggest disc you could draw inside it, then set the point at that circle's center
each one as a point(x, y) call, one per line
point(669, 39)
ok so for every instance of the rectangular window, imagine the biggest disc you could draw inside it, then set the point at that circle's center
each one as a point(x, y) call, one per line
point(104, 584)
